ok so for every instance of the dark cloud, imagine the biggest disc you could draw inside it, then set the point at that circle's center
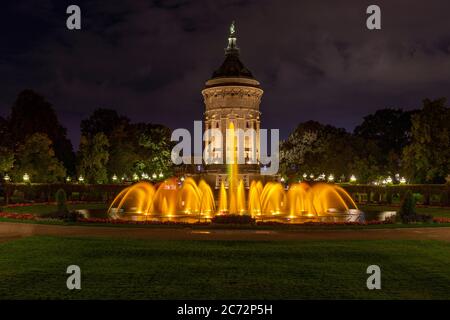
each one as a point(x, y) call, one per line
point(150, 59)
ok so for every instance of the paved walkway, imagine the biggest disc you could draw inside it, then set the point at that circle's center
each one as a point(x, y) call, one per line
point(10, 231)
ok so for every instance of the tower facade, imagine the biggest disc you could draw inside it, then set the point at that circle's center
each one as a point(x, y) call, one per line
point(232, 97)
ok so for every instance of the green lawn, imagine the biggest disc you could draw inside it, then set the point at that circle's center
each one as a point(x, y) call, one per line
point(136, 269)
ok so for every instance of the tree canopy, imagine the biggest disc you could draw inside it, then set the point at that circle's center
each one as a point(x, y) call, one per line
point(93, 157)
point(427, 158)
point(30, 114)
point(36, 157)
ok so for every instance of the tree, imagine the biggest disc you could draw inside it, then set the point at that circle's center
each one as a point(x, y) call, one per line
point(93, 157)
point(36, 157)
point(316, 148)
point(426, 159)
point(6, 159)
point(123, 151)
point(133, 148)
point(5, 134)
point(154, 148)
point(390, 129)
point(30, 114)
point(103, 120)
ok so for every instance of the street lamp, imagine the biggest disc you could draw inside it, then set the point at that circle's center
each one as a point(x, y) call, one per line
point(80, 179)
point(68, 179)
point(389, 179)
point(161, 175)
point(154, 176)
point(352, 178)
point(402, 180)
point(331, 177)
point(114, 178)
point(26, 177)
point(6, 178)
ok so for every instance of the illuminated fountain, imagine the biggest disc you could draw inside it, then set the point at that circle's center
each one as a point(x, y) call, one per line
point(190, 201)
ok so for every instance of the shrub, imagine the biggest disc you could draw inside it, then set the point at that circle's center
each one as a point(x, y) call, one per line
point(70, 216)
point(407, 210)
point(61, 201)
point(233, 219)
point(425, 218)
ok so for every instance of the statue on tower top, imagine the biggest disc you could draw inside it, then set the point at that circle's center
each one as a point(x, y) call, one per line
point(232, 47)
point(232, 29)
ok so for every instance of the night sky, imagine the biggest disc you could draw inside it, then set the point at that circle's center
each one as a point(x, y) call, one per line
point(149, 59)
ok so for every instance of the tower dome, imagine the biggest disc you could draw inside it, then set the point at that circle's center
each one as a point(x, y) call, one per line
point(232, 70)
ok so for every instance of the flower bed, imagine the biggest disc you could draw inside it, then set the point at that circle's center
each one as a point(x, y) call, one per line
point(441, 220)
point(131, 222)
point(29, 204)
point(17, 216)
point(312, 223)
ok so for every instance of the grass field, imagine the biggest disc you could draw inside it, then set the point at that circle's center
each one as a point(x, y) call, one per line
point(137, 269)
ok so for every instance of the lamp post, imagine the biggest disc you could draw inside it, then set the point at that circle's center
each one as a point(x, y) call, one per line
point(26, 178)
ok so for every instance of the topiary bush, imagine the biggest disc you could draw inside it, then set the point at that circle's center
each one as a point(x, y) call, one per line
point(62, 211)
point(61, 201)
point(408, 212)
